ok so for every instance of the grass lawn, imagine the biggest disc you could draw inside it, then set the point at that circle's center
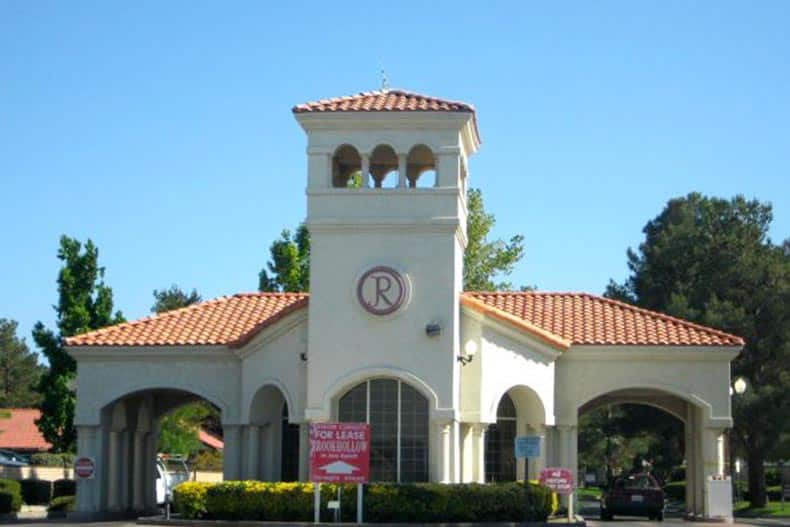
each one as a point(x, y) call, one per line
point(773, 509)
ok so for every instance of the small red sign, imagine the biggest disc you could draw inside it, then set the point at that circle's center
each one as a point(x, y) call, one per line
point(339, 452)
point(85, 467)
point(560, 480)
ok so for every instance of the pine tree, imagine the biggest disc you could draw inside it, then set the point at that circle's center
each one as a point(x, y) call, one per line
point(19, 369)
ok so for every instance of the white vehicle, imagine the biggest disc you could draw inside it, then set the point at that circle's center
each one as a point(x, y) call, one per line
point(170, 471)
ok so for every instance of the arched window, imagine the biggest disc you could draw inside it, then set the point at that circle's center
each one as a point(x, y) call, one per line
point(398, 418)
point(347, 168)
point(289, 462)
point(500, 443)
point(384, 167)
point(421, 167)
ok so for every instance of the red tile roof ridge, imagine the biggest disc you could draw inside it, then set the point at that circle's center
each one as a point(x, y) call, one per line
point(310, 106)
point(668, 318)
point(177, 312)
point(151, 318)
point(619, 303)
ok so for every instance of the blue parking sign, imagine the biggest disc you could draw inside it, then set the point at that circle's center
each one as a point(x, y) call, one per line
point(527, 447)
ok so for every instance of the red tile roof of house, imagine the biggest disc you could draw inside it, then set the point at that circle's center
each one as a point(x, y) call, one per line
point(210, 440)
point(558, 319)
point(563, 319)
point(19, 431)
point(227, 320)
point(384, 101)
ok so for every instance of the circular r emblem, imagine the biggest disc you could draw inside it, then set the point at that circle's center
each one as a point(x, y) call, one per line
point(382, 290)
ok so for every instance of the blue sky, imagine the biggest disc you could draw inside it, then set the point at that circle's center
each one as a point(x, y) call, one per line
point(162, 130)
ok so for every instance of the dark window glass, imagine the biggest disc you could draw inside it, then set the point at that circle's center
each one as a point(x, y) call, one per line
point(388, 426)
point(500, 455)
point(414, 435)
point(289, 461)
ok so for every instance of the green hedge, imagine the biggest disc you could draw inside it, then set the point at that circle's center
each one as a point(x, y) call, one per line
point(45, 459)
point(423, 502)
point(63, 487)
point(62, 504)
point(36, 491)
point(10, 496)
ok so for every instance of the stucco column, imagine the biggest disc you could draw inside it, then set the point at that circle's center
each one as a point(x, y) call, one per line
point(138, 481)
point(688, 430)
point(114, 471)
point(232, 463)
point(251, 463)
point(151, 441)
point(402, 168)
point(365, 171)
point(480, 452)
point(88, 489)
point(449, 168)
point(467, 453)
point(445, 433)
point(304, 451)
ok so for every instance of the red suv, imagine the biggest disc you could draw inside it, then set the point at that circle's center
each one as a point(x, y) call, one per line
point(634, 495)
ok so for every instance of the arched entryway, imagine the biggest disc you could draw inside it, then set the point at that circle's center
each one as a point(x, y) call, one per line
point(272, 441)
point(128, 441)
point(686, 425)
point(520, 412)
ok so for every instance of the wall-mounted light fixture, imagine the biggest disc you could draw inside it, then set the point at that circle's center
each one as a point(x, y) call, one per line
point(433, 330)
point(470, 348)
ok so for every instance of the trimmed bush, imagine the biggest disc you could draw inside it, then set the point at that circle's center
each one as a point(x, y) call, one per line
point(46, 459)
point(63, 487)
point(62, 504)
point(422, 502)
point(11, 485)
point(36, 491)
point(10, 496)
point(189, 499)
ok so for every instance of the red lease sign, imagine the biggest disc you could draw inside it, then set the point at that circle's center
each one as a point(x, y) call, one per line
point(560, 480)
point(339, 452)
point(85, 467)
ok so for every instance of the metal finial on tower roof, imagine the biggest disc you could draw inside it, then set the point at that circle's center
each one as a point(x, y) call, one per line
point(385, 83)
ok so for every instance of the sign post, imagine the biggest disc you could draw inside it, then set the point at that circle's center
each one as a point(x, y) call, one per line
point(339, 453)
point(527, 447)
point(560, 480)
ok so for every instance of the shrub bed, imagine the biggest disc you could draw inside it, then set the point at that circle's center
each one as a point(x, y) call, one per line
point(36, 491)
point(10, 496)
point(63, 487)
point(423, 502)
point(46, 459)
point(62, 504)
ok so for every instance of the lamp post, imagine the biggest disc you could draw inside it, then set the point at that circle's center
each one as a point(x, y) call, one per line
point(738, 388)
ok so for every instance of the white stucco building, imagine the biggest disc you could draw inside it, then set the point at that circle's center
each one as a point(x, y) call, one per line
point(387, 336)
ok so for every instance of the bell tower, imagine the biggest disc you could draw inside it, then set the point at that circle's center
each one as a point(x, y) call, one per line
point(386, 201)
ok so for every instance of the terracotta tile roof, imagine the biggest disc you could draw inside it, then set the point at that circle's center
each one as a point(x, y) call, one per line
point(579, 318)
point(384, 101)
point(228, 320)
point(210, 440)
point(558, 319)
point(19, 432)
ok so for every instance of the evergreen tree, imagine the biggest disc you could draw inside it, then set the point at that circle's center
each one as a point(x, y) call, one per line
point(173, 298)
point(710, 260)
point(19, 369)
point(84, 304)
